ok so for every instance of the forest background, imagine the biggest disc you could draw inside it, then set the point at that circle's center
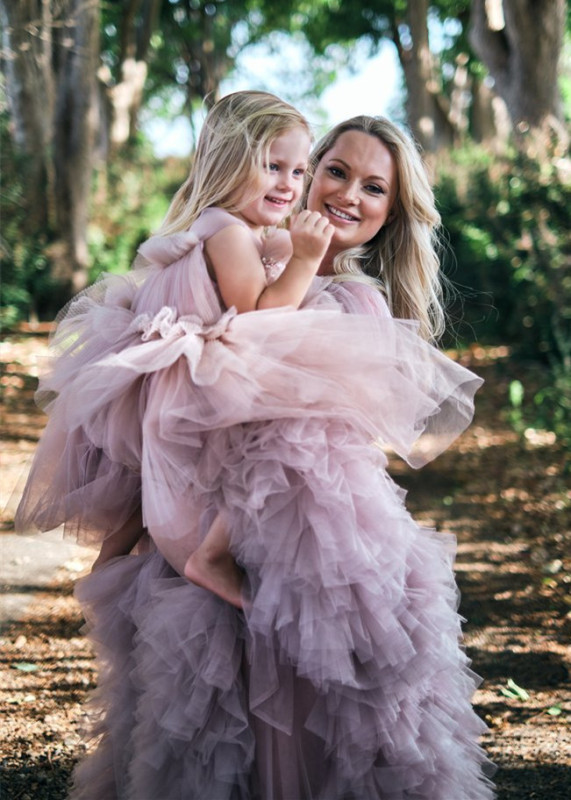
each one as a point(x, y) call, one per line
point(486, 91)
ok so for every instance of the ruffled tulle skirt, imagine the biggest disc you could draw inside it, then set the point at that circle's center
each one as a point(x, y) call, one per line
point(136, 401)
point(343, 677)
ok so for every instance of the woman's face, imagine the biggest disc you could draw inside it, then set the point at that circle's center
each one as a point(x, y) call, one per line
point(354, 186)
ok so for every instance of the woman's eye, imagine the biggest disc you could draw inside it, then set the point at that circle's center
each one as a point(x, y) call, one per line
point(374, 189)
point(336, 172)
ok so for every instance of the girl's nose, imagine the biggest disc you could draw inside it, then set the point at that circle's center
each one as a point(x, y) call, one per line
point(285, 180)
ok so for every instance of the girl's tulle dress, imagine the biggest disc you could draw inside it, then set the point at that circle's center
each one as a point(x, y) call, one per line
point(343, 677)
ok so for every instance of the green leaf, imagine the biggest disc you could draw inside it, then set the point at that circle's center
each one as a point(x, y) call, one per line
point(514, 691)
point(554, 711)
point(25, 666)
point(516, 392)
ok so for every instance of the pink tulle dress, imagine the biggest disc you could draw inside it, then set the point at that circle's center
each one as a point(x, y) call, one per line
point(343, 678)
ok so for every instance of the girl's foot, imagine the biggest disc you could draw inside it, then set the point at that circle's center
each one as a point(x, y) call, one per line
point(220, 575)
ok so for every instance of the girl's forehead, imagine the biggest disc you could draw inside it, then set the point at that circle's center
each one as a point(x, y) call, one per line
point(294, 140)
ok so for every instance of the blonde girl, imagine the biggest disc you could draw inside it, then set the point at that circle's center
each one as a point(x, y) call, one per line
point(250, 161)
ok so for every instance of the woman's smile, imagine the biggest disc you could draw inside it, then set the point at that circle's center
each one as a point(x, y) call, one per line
point(340, 214)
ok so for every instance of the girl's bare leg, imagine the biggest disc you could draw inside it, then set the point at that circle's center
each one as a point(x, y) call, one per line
point(122, 541)
point(212, 566)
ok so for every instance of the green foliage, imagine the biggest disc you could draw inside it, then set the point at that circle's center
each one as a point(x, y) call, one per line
point(565, 74)
point(514, 692)
point(516, 394)
point(27, 286)
point(508, 223)
point(131, 198)
point(552, 404)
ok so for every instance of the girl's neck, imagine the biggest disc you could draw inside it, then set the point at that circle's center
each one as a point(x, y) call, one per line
point(257, 230)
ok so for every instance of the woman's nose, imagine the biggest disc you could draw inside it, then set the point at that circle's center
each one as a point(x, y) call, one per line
point(348, 192)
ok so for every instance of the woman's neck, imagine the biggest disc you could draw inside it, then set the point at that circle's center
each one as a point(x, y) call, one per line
point(326, 266)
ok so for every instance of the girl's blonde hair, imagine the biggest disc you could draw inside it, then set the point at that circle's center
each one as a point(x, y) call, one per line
point(401, 259)
point(232, 149)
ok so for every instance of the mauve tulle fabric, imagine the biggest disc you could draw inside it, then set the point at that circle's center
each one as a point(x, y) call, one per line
point(344, 677)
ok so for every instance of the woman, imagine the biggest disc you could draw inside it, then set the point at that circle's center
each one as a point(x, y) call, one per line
point(342, 677)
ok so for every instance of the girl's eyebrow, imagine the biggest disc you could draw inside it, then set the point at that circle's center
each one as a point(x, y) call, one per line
point(278, 160)
point(368, 178)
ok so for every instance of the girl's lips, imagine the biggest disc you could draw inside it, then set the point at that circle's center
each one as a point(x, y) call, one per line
point(339, 214)
point(278, 201)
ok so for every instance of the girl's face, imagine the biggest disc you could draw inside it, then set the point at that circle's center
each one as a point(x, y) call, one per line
point(354, 186)
point(281, 182)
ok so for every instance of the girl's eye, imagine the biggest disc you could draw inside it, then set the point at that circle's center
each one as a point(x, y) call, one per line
point(299, 173)
point(273, 167)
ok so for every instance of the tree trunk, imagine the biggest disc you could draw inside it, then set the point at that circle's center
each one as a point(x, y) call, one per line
point(138, 22)
point(51, 52)
point(520, 42)
point(27, 46)
point(207, 61)
point(75, 128)
point(427, 108)
point(490, 121)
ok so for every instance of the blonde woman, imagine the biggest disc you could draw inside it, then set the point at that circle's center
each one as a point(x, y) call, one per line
point(259, 424)
point(397, 252)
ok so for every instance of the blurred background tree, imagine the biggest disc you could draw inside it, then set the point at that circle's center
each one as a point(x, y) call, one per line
point(486, 93)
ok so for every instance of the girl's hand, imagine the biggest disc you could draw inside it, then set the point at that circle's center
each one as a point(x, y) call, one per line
point(311, 235)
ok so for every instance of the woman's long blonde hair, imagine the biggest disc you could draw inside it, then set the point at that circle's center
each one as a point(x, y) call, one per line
point(402, 257)
point(231, 151)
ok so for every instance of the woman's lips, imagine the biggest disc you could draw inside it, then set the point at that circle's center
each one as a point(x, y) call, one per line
point(340, 214)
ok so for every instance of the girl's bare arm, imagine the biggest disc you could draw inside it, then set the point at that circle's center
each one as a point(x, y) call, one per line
point(238, 270)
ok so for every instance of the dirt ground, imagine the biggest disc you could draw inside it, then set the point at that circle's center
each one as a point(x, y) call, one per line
point(507, 499)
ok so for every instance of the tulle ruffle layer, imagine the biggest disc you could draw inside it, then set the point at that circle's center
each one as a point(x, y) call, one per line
point(169, 719)
point(345, 668)
point(135, 397)
point(344, 586)
point(343, 679)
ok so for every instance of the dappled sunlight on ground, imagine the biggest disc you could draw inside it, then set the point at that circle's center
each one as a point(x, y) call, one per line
point(506, 498)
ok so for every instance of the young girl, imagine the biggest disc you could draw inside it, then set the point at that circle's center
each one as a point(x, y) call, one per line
point(246, 177)
point(265, 147)
point(343, 676)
